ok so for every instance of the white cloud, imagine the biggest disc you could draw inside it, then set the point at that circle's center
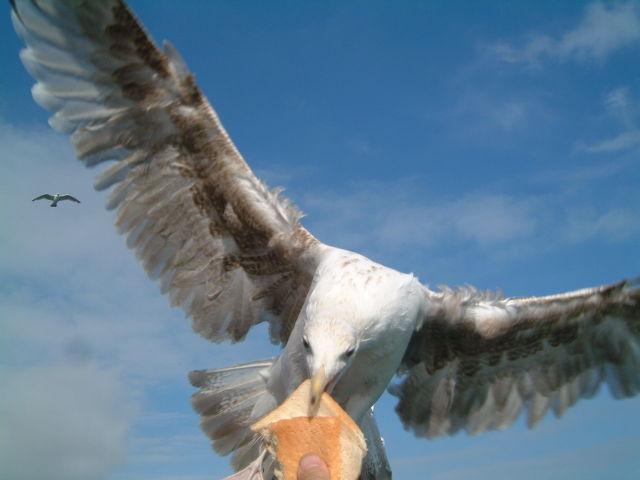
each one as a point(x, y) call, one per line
point(85, 334)
point(493, 114)
point(139, 339)
point(617, 99)
point(69, 408)
point(121, 331)
point(62, 422)
point(156, 450)
point(480, 218)
point(56, 254)
point(592, 462)
point(616, 224)
point(571, 447)
point(38, 161)
point(380, 218)
point(161, 476)
point(571, 179)
point(489, 218)
point(360, 146)
point(604, 29)
point(495, 118)
point(621, 107)
point(623, 141)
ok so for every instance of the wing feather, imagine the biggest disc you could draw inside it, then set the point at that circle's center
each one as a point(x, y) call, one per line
point(43, 196)
point(225, 248)
point(478, 361)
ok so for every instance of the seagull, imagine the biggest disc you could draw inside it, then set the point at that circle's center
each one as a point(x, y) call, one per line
point(233, 253)
point(55, 198)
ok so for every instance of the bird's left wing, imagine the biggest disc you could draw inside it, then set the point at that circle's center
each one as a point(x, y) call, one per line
point(226, 249)
point(69, 197)
point(43, 196)
point(479, 360)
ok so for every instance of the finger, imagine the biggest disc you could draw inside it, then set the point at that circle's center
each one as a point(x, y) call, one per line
point(312, 467)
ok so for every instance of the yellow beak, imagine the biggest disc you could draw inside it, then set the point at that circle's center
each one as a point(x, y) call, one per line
point(318, 383)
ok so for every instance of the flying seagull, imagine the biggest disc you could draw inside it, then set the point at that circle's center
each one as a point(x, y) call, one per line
point(233, 253)
point(55, 198)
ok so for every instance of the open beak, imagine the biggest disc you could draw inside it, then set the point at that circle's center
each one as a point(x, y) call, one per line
point(318, 384)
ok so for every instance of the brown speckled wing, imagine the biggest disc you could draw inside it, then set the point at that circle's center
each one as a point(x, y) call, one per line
point(479, 361)
point(225, 248)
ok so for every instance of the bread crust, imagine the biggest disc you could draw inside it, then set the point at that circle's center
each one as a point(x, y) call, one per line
point(290, 433)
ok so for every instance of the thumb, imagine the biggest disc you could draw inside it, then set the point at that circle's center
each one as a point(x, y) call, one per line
point(312, 467)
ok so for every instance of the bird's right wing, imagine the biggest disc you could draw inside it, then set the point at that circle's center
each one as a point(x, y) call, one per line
point(228, 250)
point(43, 196)
point(479, 360)
point(69, 197)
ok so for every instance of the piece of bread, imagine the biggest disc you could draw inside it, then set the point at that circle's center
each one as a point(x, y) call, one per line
point(290, 434)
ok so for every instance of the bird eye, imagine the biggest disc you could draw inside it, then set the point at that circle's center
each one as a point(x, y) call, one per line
point(305, 344)
point(349, 352)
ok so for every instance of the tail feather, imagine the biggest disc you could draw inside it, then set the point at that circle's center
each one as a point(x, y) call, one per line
point(229, 401)
point(375, 465)
point(245, 454)
point(253, 471)
point(212, 401)
point(228, 376)
point(234, 442)
point(223, 424)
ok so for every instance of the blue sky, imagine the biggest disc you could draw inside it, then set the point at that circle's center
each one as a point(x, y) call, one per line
point(489, 143)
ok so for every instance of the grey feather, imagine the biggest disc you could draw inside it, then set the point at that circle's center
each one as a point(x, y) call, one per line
point(533, 353)
point(232, 253)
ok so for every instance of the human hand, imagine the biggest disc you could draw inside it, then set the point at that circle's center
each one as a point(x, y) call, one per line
point(312, 467)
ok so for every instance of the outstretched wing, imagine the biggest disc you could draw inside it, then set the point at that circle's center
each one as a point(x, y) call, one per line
point(69, 197)
point(43, 196)
point(226, 249)
point(479, 360)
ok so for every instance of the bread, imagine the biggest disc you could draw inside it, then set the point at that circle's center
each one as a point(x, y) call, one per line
point(290, 434)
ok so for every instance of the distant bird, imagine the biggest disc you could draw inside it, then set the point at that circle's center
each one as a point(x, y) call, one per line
point(233, 254)
point(58, 197)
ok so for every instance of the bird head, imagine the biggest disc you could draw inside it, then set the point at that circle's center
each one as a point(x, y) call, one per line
point(329, 354)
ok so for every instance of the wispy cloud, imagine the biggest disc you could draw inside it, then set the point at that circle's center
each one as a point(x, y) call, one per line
point(495, 116)
point(617, 101)
point(623, 109)
point(498, 112)
point(360, 146)
point(392, 216)
point(613, 225)
point(603, 29)
point(571, 179)
point(623, 141)
point(480, 218)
